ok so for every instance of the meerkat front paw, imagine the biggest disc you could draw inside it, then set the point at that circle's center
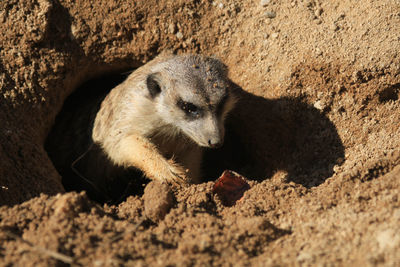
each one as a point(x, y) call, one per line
point(178, 175)
point(167, 171)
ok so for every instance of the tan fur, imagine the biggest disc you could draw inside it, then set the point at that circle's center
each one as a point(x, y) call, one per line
point(132, 130)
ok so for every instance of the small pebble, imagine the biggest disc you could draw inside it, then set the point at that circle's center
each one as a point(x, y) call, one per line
point(264, 2)
point(270, 14)
point(172, 28)
point(318, 12)
point(319, 105)
point(74, 31)
point(179, 35)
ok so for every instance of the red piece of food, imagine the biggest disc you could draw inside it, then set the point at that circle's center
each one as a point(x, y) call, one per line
point(230, 187)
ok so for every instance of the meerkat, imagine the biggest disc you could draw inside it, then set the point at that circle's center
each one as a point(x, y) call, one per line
point(158, 121)
point(163, 115)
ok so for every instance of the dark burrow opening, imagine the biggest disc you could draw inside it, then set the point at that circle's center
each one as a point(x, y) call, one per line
point(262, 136)
point(73, 153)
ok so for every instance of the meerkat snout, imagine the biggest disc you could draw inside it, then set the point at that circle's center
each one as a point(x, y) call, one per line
point(214, 144)
point(213, 132)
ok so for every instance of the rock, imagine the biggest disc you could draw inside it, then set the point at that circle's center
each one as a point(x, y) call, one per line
point(270, 14)
point(179, 35)
point(318, 12)
point(158, 200)
point(274, 35)
point(320, 105)
point(264, 3)
point(172, 28)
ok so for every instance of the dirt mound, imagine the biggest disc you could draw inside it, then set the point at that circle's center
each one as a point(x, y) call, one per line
point(316, 133)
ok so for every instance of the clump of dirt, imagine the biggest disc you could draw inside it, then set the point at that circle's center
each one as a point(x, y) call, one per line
point(158, 200)
point(316, 133)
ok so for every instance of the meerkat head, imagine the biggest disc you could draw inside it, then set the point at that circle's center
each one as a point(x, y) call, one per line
point(192, 95)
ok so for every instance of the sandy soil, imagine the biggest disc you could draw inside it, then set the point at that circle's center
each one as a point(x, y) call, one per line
point(316, 133)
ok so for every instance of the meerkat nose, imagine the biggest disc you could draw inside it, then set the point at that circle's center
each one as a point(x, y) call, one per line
point(214, 144)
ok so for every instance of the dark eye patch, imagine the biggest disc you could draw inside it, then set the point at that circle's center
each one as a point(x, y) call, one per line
point(189, 108)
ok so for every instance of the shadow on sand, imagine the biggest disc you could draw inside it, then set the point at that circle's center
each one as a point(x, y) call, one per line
point(267, 135)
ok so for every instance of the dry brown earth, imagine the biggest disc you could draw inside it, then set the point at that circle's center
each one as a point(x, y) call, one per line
point(317, 133)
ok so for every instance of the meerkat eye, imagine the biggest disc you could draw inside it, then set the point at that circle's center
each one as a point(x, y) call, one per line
point(189, 108)
point(153, 85)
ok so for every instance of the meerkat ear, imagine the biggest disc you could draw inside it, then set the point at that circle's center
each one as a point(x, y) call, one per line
point(218, 65)
point(153, 84)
